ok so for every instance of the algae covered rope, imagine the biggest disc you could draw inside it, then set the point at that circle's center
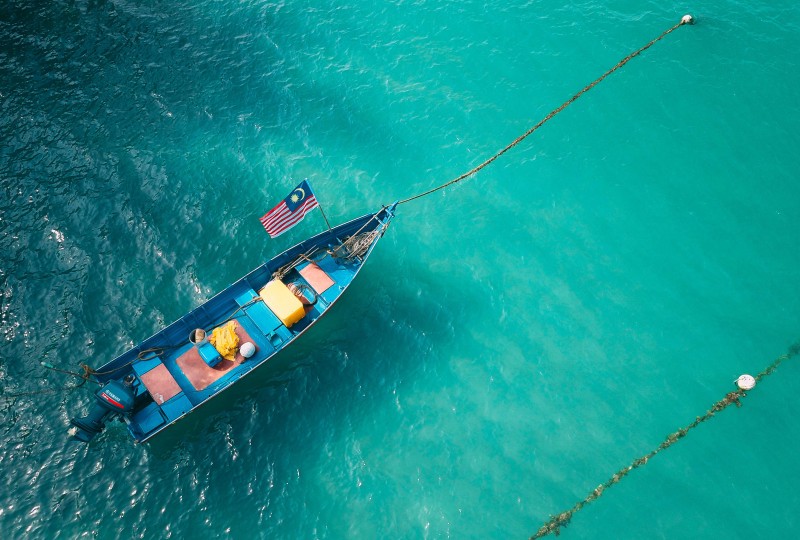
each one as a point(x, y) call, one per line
point(686, 19)
point(554, 524)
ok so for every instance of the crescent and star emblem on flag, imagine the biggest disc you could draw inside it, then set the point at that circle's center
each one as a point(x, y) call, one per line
point(296, 197)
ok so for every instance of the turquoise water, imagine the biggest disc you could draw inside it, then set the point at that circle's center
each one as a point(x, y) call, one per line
point(513, 340)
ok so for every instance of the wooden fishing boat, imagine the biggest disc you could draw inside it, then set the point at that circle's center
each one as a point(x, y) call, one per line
point(170, 374)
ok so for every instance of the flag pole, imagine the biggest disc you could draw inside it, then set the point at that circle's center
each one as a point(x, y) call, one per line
point(324, 216)
point(320, 208)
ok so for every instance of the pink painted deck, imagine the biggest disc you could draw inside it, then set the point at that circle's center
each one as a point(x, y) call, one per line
point(317, 278)
point(201, 374)
point(160, 383)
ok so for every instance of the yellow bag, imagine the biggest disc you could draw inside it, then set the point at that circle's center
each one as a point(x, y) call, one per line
point(225, 340)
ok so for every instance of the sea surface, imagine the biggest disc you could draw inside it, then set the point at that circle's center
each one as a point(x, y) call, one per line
point(513, 341)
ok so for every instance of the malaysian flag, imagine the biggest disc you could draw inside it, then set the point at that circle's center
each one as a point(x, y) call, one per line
point(290, 211)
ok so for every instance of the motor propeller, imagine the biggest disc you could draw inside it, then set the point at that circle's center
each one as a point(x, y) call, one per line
point(114, 399)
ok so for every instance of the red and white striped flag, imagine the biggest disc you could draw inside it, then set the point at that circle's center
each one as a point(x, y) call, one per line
point(290, 211)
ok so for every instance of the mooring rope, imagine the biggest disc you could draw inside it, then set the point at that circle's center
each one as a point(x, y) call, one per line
point(687, 19)
point(554, 524)
point(84, 377)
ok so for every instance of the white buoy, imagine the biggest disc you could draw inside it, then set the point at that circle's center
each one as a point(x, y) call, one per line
point(745, 382)
point(687, 19)
point(247, 349)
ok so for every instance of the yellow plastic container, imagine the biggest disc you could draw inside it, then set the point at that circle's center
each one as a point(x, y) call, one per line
point(282, 302)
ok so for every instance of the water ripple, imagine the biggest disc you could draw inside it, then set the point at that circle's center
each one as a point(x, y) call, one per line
point(511, 339)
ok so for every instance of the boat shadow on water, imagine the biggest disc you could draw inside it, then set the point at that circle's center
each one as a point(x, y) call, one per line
point(298, 388)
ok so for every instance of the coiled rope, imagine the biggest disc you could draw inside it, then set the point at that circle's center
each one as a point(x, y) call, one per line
point(554, 524)
point(687, 19)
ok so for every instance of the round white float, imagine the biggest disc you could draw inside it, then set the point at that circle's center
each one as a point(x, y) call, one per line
point(247, 349)
point(745, 382)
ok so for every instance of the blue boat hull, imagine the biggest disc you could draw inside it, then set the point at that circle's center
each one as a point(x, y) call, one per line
point(169, 376)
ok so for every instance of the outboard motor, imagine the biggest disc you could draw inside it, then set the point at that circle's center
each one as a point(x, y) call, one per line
point(113, 399)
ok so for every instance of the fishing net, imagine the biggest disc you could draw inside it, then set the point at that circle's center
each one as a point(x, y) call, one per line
point(225, 340)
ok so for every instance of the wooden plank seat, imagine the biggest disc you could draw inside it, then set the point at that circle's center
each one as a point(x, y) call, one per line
point(263, 318)
point(200, 374)
point(246, 297)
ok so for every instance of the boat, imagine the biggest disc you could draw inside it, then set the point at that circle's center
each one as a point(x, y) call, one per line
point(186, 364)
